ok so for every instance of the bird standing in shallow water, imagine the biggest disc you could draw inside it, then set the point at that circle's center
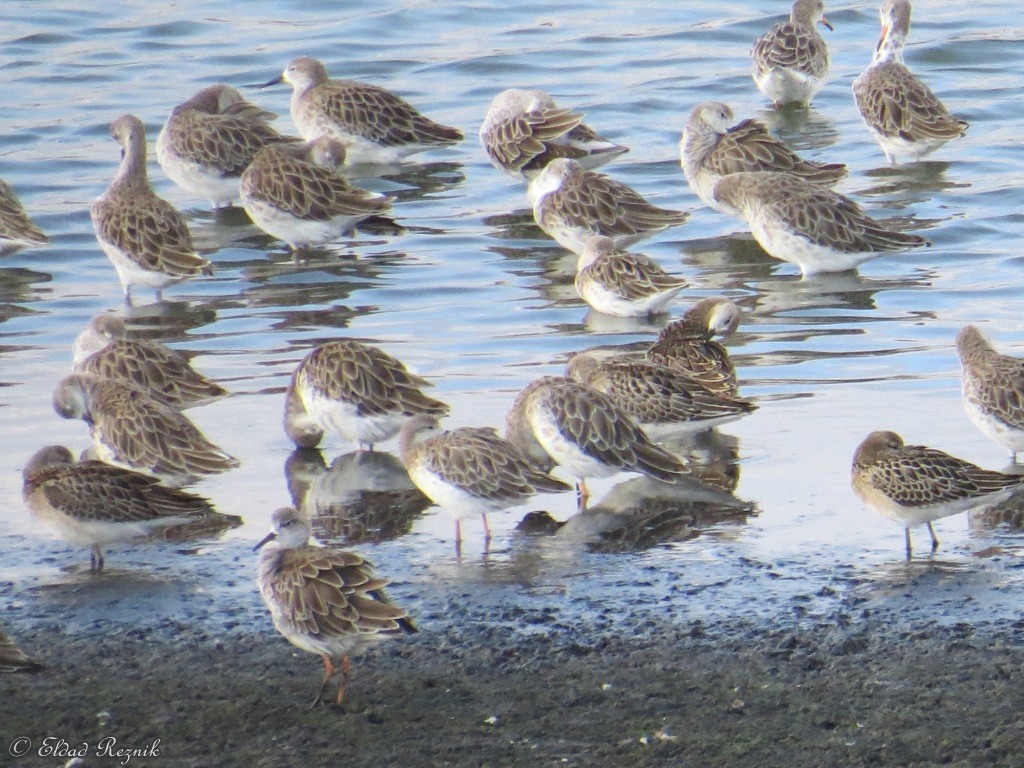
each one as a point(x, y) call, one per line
point(993, 390)
point(132, 429)
point(572, 205)
point(161, 371)
point(210, 139)
point(93, 504)
point(375, 125)
point(323, 600)
point(296, 194)
point(357, 391)
point(790, 61)
point(660, 400)
point(687, 345)
point(144, 237)
point(623, 284)
point(556, 420)
point(815, 228)
point(524, 130)
point(902, 113)
point(912, 484)
point(713, 145)
point(469, 471)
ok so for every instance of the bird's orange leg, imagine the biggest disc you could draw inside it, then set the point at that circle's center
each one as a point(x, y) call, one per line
point(345, 666)
point(328, 674)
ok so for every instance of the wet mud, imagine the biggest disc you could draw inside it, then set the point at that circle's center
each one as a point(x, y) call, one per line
point(772, 664)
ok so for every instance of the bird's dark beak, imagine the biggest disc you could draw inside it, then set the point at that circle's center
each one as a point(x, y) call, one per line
point(827, 24)
point(276, 81)
point(266, 540)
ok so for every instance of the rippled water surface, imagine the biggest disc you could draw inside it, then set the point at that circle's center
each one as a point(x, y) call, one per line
point(470, 294)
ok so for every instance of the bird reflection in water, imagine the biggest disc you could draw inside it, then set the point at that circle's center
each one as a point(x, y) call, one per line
point(641, 512)
point(362, 497)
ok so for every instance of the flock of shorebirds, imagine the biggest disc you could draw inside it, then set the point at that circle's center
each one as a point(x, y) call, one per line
point(606, 415)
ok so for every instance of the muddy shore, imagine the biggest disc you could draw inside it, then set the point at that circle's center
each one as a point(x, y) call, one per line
point(622, 667)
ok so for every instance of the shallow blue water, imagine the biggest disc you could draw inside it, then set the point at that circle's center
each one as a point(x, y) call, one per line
point(471, 295)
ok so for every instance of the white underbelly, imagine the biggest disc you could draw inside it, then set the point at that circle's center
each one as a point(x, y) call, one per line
point(343, 418)
point(566, 453)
